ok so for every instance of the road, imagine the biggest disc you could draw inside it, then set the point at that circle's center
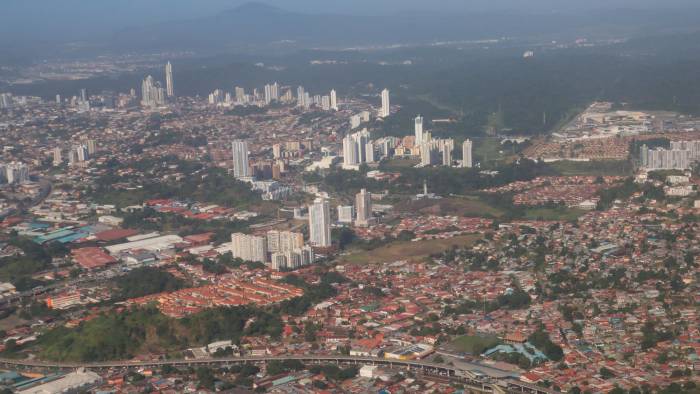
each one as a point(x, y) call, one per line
point(475, 382)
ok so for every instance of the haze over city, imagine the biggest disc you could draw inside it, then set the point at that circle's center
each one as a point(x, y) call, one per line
point(359, 196)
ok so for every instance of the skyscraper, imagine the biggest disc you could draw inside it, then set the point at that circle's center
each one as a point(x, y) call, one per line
point(363, 207)
point(320, 223)
point(467, 154)
point(152, 94)
point(386, 105)
point(57, 156)
point(249, 247)
point(301, 97)
point(334, 100)
point(169, 80)
point(268, 94)
point(419, 130)
point(240, 159)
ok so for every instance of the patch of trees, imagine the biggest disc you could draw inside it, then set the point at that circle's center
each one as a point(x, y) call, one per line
point(146, 280)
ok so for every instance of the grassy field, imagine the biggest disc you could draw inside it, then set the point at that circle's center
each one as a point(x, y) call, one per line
point(553, 213)
point(397, 164)
point(487, 151)
point(405, 250)
point(473, 344)
point(596, 168)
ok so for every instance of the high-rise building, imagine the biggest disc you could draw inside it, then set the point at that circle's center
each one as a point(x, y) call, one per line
point(249, 247)
point(363, 207)
point(91, 147)
point(16, 173)
point(334, 100)
point(5, 100)
point(240, 95)
point(355, 149)
point(57, 156)
point(283, 241)
point(346, 213)
point(320, 223)
point(152, 94)
point(268, 94)
point(301, 97)
point(275, 91)
point(83, 95)
point(239, 149)
point(467, 154)
point(170, 90)
point(385, 111)
point(419, 130)
point(326, 103)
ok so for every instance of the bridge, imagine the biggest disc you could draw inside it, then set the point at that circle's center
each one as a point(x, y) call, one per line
point(474, 382)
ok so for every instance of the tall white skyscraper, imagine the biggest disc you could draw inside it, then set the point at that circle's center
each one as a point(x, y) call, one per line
point(57, 156)
point(249, 247)
point(385, 111)
point(240, 158)
point(169, 80)
point(419, 130)
point(152, 94)
point(355, 150)
point(334, 100)
point(320, 223)
point(301, 97)
point(240, 95)
point(467, 154)
point(268, 94)
point(363, 207)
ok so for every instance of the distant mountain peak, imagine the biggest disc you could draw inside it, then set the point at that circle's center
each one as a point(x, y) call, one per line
point(257, 7)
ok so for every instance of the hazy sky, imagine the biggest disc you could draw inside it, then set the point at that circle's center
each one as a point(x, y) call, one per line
point(73, 19)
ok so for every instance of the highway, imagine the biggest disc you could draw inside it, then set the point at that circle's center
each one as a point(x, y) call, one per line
point(475, 382)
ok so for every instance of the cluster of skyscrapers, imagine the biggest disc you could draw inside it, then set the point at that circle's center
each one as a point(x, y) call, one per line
point(680, 156)
point(282, 249)
point(357, 149)
point(153, 94)
point(326, 102)
point(79, 153)
point(14, 173)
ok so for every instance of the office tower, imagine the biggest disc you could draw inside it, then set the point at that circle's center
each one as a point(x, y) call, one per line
point(57, 156)
point(283, 241)
point(152, 94)
point(249, 247)
point(275, 91)
point(369, 152)
point(419, 130)
point(278, 261)
point(276, 151)
point(346, 213)
point(320, 223)
point(268, 94)
point(355, 122)
point(363, 207)
point(240, 95)
point(16, 173)
point(307, 100)
point(334, 100)
point(83, 95)
point(82, 153)
point(5, 100)
point(447, 156)
point(91, 147)
point(217, 97)
point(386, 105)
point(350, 153)
point(467, 154)
point(169, 80)
point(58, 99)
point(301, 97)
point(72, 157)
point(240, 159)
point(326, 103)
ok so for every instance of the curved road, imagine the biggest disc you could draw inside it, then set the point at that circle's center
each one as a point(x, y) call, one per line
point(466, 377)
